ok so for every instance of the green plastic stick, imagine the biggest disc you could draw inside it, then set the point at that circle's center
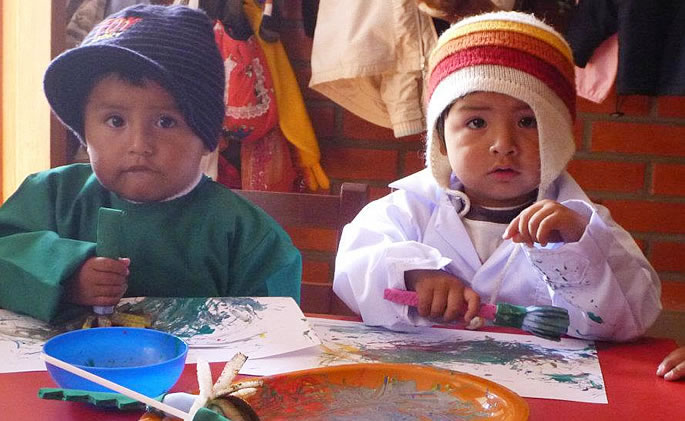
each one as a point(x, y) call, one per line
point(108, 242)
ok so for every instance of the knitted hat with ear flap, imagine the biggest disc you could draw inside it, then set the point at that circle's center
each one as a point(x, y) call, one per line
point(514, 54)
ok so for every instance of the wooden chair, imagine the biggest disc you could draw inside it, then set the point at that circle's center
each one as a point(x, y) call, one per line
point(297, 211)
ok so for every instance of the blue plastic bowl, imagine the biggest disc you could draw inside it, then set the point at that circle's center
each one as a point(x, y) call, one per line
point(147, 361)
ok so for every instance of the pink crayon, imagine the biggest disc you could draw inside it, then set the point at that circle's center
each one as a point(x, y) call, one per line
point(411, 299)
point(548, 322)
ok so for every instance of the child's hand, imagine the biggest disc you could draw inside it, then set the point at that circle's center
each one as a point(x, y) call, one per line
point(441, 295)
point(673, 366)
point(546, 221)
point(100, 281)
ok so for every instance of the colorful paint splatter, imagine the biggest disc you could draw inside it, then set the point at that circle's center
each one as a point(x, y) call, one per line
point(250, 325)
point(214, 328)
point(313, 399)
point(530, 366)
point(194, 318)
point(21, 339)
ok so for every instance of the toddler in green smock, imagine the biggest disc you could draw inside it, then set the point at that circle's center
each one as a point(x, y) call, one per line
point(144, 93)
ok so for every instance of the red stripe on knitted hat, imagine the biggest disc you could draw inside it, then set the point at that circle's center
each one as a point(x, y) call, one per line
point(506, 57)
point(514, 40)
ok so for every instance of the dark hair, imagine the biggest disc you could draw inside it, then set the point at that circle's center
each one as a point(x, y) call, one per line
point(440, 125)
point(137, 76)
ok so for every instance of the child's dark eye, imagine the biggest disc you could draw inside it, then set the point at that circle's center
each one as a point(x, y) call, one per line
point(476, 123)
point(528, 123)
point(166, 122)
point(115, 121)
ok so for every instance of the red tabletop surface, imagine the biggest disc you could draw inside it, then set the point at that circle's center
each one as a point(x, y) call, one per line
point(633, 390)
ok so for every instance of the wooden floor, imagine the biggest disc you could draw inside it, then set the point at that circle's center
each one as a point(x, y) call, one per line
point(670, 324)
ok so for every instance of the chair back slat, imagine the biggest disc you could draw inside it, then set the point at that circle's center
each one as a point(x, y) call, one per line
point(319, 211)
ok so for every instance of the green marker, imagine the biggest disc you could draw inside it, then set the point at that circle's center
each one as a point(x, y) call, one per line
point(108, 242)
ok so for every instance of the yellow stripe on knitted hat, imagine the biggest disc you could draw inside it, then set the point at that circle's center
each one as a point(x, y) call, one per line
point(504, 25)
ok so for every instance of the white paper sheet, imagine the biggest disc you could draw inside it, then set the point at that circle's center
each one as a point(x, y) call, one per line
point(215, 328)
point(528, 365)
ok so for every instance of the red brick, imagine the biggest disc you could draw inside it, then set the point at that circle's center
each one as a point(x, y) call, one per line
point(578, 134)
point(631, 105)
point(303, 75)
point(642, 244)
point(378, 192)
point(636, 138)
point(671, 106)
point(313, 238)
point(323, 120)
point(673, 295)
point(586, 106)
point(296, 43)
point(361, 164)
point(669, 179)
point(413, 138)
point(625, 177)
point(643, 216)
point(357, 128)
point(316, 271)
point(668, 256)
point(413, 161)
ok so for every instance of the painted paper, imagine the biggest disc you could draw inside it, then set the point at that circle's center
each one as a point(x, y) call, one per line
point(530, 366)
point(21, 342)
point(256, 326)
point(214, 328)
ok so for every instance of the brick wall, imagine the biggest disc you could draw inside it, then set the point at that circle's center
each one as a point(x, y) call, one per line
point(633, 164)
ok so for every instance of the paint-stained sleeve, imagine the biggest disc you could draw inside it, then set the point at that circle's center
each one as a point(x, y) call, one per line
point(375, 250)
point(606, 283)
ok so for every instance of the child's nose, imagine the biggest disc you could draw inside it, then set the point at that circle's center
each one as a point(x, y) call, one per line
point(140, 141)
point(503, 142)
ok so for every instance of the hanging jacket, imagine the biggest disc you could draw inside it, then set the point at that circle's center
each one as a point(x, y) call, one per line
point(368, 57)
point(604, 281)
point(651, 57)
point(82, 16)
point(595, 80)
point(292, 114)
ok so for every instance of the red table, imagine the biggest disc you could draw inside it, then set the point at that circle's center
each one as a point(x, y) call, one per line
point(633, 390)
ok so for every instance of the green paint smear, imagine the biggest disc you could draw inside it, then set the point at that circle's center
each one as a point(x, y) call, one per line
point(582, 379)
point(517, 356)
point(188, 317)
point(483, 351)
point(595, 318)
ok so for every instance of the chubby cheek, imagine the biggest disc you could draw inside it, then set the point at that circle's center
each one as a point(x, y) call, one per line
point(464, 162)
point(103, 171)
point(531, 160)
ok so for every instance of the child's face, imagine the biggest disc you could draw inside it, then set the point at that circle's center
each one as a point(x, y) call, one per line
point(138, 141)
point(491, 142)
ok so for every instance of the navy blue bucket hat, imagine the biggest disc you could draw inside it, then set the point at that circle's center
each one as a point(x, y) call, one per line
point(173, 45)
